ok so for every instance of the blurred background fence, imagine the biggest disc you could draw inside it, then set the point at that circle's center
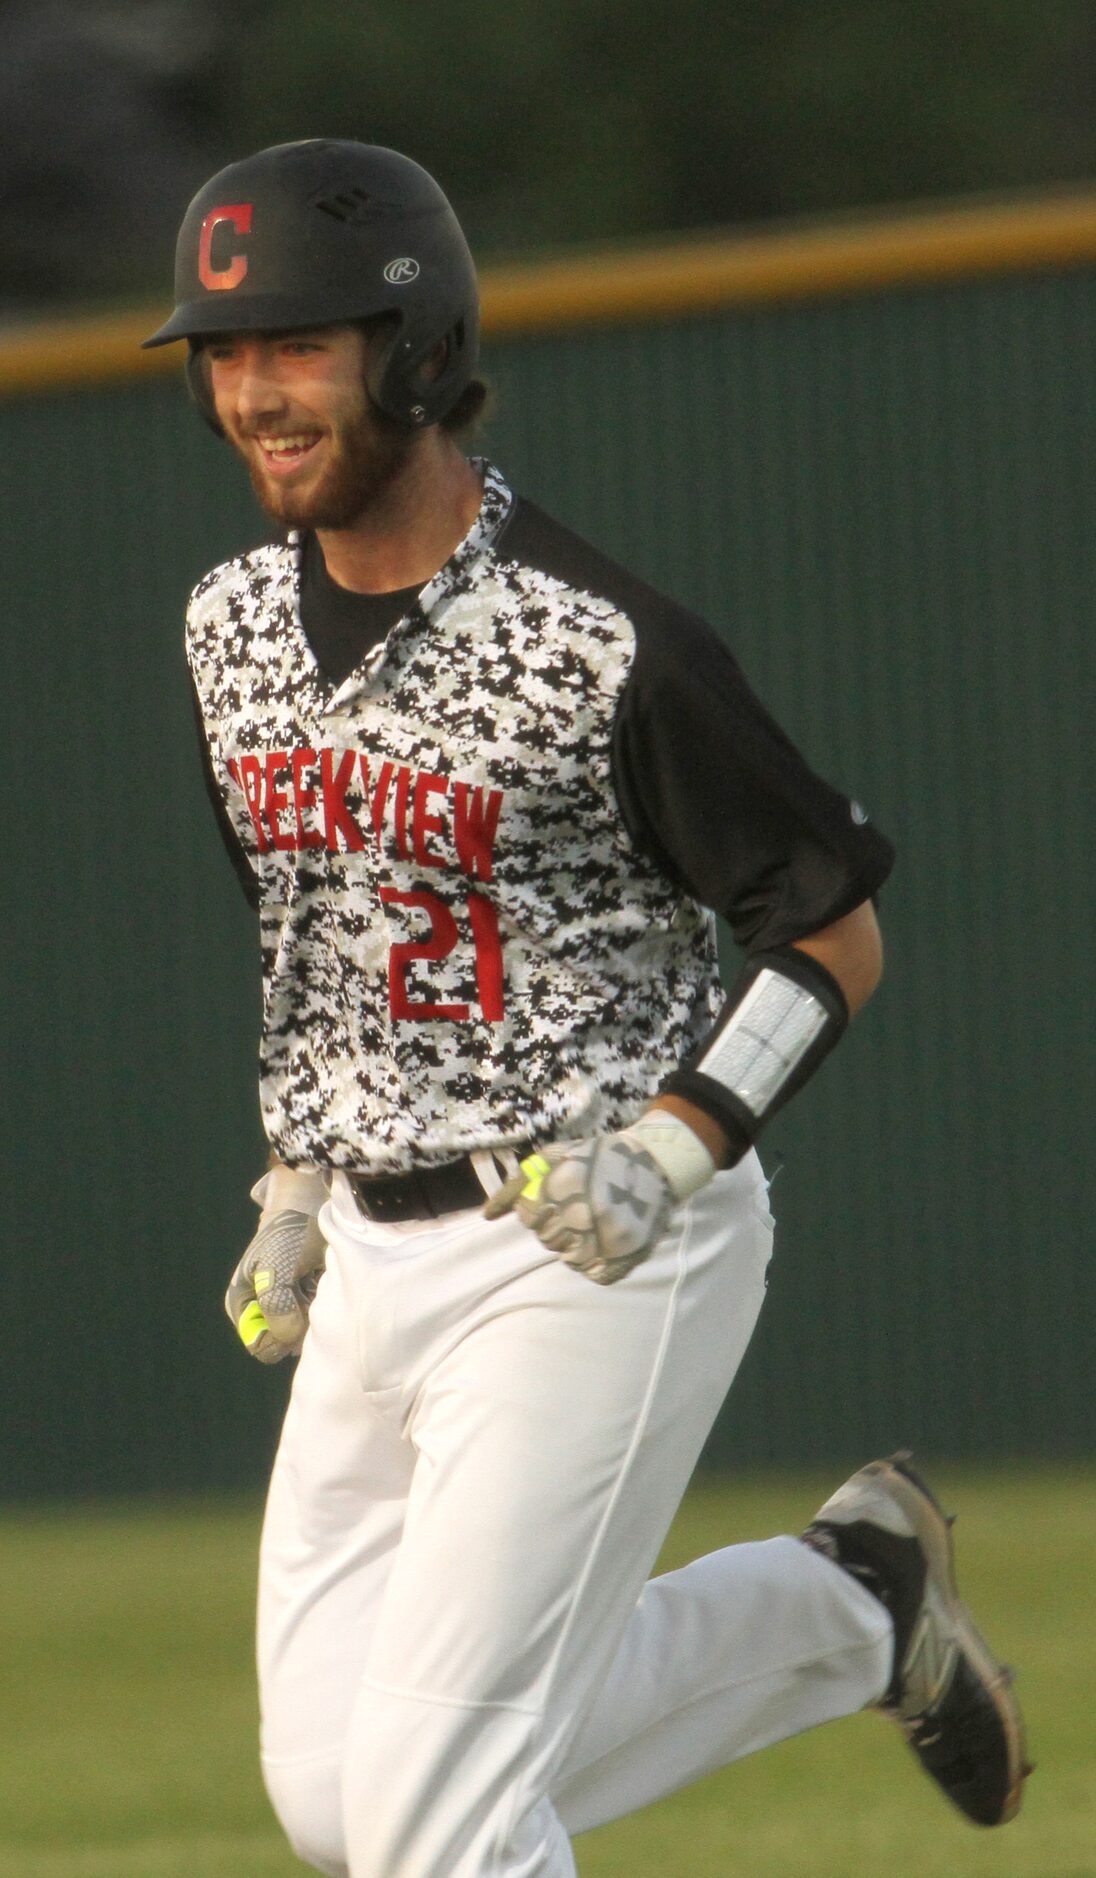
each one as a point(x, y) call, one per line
point(867, 454)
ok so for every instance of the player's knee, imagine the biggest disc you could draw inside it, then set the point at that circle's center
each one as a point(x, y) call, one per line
point(430, 1786)
point(307, 1799)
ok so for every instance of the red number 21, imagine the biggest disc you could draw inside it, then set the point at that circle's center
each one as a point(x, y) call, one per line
point(444, 935)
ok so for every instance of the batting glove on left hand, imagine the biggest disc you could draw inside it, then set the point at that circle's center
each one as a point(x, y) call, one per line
point(271, 1291)
point(603, 1204)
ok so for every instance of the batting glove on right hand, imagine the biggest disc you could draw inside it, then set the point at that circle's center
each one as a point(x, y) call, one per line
point(271, 1291)
point(603, 1204)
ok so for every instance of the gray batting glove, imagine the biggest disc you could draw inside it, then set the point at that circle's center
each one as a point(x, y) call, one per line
point(603, 1204)
point(271, 1291)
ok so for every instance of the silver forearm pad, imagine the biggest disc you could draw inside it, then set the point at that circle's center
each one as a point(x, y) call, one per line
point(765, 1040)
point(782, 1017)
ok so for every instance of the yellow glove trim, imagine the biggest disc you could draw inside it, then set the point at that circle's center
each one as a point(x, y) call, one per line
point(534, 1167)
point(251, 1325)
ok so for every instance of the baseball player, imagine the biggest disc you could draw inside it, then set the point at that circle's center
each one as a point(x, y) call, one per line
point(487, 791)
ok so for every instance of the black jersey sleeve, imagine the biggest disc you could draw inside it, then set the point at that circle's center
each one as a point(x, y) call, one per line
point(245, 873)
point(714, 792)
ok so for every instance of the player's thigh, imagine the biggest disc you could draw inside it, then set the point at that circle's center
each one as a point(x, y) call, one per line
point(555, 1439)
point(333, 1520)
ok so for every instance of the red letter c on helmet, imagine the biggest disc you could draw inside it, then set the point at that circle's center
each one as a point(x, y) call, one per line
point(218, 279)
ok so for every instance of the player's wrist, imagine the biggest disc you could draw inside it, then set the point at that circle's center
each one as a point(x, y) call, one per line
point(290, 1190)
point(704, 1126)
point(676, 1147)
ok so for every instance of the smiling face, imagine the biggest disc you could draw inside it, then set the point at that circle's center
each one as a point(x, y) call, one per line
point(295, 406)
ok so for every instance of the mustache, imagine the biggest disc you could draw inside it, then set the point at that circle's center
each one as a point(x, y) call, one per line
point(258, 433)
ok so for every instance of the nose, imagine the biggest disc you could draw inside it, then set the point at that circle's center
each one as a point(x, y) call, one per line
point(258, 393)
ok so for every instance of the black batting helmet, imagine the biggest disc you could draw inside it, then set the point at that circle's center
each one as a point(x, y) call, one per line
point(323, 233)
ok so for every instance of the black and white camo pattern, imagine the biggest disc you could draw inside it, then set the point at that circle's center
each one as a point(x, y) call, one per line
point(462, 947)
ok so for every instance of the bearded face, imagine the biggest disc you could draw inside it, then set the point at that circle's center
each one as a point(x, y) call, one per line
point(318, 451)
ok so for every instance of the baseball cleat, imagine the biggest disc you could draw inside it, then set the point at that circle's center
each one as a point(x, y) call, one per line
point(952, 1700)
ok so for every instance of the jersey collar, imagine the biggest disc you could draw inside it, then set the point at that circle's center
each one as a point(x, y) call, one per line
point(459, 571)
point(458, 575)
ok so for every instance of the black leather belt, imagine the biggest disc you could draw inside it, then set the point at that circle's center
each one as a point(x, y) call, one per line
point(425, 1193)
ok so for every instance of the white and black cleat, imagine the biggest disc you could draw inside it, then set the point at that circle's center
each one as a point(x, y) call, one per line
point(953, 1701)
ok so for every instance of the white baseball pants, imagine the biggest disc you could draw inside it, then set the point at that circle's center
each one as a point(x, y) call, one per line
point(461, 1662)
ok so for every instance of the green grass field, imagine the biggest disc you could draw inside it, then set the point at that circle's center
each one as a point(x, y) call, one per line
point(127, 1718)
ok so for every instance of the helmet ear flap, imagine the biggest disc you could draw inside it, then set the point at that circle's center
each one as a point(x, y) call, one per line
point(390, 377)
point(197, 383)
point(398, 383)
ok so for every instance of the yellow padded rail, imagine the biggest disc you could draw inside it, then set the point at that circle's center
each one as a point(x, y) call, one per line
point(673, 278)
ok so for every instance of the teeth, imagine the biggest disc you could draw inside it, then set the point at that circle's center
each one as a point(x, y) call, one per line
point(284, 446)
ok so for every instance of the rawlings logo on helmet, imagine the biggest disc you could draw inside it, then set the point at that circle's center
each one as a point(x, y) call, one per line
point(221, 279)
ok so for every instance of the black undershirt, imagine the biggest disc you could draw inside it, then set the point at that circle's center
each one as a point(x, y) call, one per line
point(343, 627)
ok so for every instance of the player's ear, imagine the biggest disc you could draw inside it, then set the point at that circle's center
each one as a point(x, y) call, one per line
point(435, 365)
point(200, 387)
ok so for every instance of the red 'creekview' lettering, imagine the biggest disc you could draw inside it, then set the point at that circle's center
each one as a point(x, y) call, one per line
point(305, 798)
point(337, 818)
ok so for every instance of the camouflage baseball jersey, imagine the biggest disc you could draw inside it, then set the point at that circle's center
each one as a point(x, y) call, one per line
point(486, 862)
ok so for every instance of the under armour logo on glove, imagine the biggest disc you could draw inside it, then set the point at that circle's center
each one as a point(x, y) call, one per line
point(603, 1204)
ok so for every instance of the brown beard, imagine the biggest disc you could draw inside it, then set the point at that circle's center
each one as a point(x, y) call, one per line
point(370, 458)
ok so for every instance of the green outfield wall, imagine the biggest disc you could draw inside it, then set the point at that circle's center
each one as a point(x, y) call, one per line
point(868, 453)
